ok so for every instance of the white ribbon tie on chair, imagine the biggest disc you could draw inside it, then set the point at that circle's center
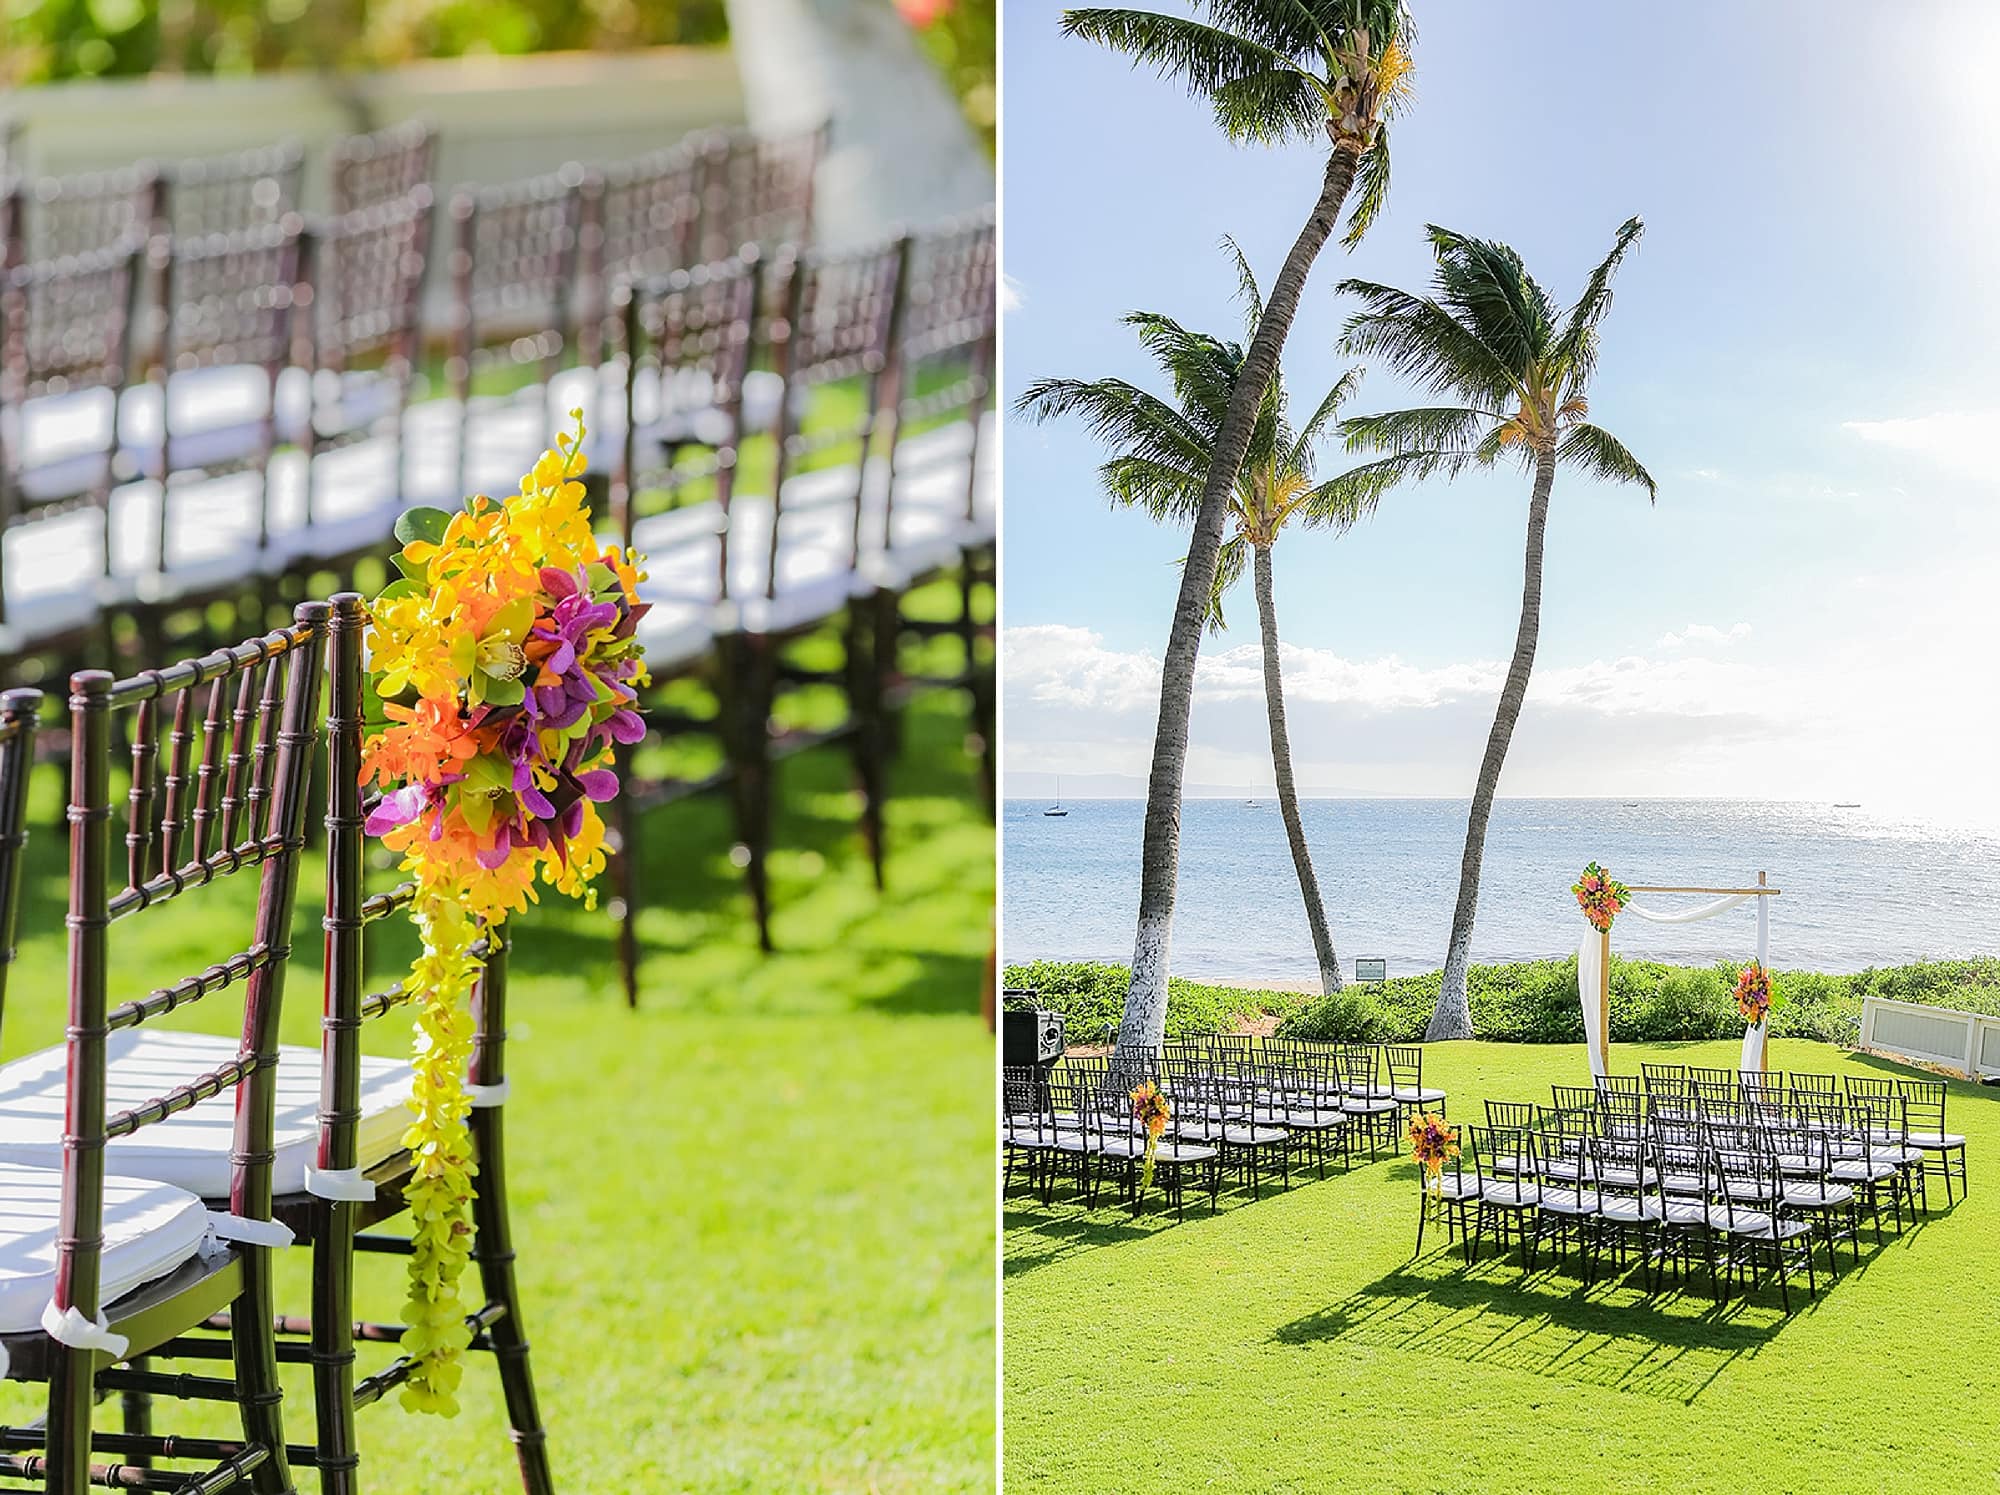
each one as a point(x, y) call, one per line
point(67, 1326)
point(227, 1227)
point(485, 1097)
point(350, 1185)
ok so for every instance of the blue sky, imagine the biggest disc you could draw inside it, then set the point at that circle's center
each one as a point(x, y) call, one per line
point(1802, 351)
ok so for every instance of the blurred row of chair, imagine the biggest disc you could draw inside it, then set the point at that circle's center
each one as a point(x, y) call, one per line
point(792, 433)
point(170, 328)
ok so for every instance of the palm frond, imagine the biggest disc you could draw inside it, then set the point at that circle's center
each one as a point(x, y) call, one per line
point(1485, 285)
point(1246, 288)
point(1418, 339)
point(1167, 491)
point(1273, 106)
point(1288, 26)
point(1119, 414)
point(1299, 458)
point(1576, 347)
point(1339, 503)
point(1595, 451)
point(1448, 430)
point(1371, 188)
point(1204, 58)
point(1229, 564)
point(1361, 488)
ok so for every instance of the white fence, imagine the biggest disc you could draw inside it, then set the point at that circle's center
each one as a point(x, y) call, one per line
point(1968, 1042)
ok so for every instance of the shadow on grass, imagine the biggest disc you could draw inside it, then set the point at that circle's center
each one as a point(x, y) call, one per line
point(1672, 1345)
point(1036, 1235)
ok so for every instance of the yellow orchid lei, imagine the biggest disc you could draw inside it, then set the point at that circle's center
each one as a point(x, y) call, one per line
point(507, 667)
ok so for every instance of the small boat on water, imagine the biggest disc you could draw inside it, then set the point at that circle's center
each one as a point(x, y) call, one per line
point(1057, 807)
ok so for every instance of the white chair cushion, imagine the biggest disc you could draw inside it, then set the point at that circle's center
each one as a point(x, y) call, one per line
point(191, 1150)
point(149, 1229)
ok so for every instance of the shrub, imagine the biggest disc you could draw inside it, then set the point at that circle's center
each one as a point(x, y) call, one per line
point(1351, 1015)
point(1524, 1002)
point(1091, 998)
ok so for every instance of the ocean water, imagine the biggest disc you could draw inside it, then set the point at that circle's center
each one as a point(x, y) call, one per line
point(1857, 890)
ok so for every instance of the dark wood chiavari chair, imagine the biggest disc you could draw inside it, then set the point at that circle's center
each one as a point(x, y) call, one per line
point(19, 712)
point(140, 1265)
point(513, 274)
point(757, 189)
point(341, 1168)
point(65, 344)
point(61, 217)
point(688, 340)
point(641, 218)
point(789, 561)
point(366, 268)
point(935, 517)
point(225, 194)
point(382, 167)
point(224, 335)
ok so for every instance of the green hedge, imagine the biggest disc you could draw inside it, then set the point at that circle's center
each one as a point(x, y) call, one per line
point(1525, 1002)
point(1091, 998)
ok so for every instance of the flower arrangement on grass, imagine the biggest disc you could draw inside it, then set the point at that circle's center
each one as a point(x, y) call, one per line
point(1150, 1107)
point(507, 668)
point(1600, 897)
point(1753, 993)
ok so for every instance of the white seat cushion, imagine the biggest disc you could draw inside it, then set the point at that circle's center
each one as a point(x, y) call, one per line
point(1936, 1141)
point(191, 1150)
point(149, 1229)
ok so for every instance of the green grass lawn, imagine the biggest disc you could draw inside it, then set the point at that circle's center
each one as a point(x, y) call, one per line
point(755, 1217)
point(1292, 1344)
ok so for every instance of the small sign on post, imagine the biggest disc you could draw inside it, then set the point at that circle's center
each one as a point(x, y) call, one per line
point(1371, 969)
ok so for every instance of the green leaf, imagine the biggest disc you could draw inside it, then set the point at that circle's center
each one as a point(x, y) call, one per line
point(405, 587)
point(421, 524)
point(413, 571)
point(502, 692)
point(486, 771)
point(477, 809)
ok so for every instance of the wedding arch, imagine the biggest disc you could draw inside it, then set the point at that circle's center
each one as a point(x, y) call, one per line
point(1593, 962)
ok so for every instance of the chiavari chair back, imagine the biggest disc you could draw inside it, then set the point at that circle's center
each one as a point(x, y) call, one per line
point(229, 313)
point(19, 711)
point(513, 275)
point(65, 348)
point(757, 189)
point(384, 166)
point(220, 752)
point(224, 194)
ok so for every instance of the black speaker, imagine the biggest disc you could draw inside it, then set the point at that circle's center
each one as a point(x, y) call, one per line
point(1031, 1036)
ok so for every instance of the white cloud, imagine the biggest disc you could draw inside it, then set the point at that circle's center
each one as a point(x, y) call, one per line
point(1962, 440)
point(1012, 297)
point(1704, 633)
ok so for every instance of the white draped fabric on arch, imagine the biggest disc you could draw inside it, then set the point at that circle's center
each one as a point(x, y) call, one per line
point(1593, 964)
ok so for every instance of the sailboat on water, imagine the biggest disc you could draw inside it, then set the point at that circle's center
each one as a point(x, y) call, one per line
point(1057, 807)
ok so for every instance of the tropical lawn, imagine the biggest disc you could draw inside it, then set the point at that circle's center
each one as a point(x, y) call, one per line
point(754, 1217)
point(1293, 1343)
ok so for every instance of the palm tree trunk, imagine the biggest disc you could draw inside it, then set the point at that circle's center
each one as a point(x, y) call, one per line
point(1453, 1017)
point(1288, 792)
point(1144, 1022)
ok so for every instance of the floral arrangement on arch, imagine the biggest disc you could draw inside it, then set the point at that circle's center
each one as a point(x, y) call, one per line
point(1753, 993)
point(1150, 1108)
point(507, 668)
point(1600, 897)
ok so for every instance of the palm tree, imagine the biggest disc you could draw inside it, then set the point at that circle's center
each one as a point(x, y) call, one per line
point(1273, 70)
point(1489, 336)
point(1164, 461)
